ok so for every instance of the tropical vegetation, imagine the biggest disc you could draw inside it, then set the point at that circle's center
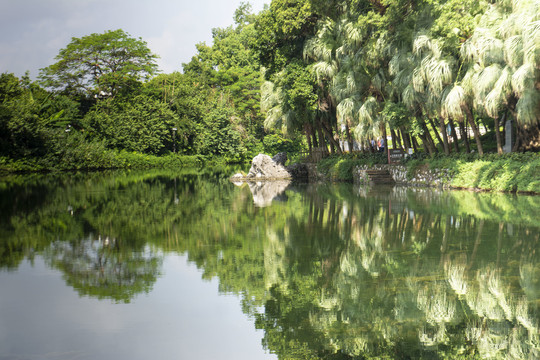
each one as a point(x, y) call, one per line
point(302, 76)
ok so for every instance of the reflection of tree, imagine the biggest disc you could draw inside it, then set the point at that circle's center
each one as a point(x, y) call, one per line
point(333, 272)
point(103, 268)
point(400, 281)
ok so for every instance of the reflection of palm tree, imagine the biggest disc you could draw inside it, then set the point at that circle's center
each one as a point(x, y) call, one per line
point(437, 305)
point(455, 272)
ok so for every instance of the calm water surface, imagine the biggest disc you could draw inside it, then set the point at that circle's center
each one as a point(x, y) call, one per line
point(161, 265)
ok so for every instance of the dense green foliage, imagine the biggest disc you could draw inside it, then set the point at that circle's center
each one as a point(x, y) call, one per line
point(325, 77)
point(509, 173)
point(101, 65)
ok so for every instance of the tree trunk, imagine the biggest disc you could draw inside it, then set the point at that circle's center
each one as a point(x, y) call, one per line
point(349, 137)
point(385, 137)
point(463, 132)
point(498, 133)
point(406, 140)
point(427, 145)
point(475, 131)
point(517, 142)
point(398, 139)
point(444, 134)
point(333, 143)
point(394, 139)
point(414, 143)
point(322, 141)
point(454, 135)
point(427, 139)
point(437, 135)
point(313, 135)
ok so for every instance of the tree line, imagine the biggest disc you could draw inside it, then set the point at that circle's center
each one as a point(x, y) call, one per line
point(431, 75)
point(428, 72)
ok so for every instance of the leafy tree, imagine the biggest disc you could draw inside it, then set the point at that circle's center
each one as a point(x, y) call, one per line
point(218, 135)
point(282, 30)
point(140, 124)
point(31, 119)
point(187, 96)
point(100, 65)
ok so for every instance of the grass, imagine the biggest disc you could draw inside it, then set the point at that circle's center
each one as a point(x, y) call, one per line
point(515, 172)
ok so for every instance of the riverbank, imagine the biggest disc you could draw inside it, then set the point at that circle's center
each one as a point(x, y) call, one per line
point(106, 160)
point(516, 172)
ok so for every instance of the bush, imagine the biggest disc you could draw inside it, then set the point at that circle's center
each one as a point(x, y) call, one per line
point(508, 172)
point(340, 167)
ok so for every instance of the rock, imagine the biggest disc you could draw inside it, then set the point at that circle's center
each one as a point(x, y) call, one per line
point(299, 172)
point(266, 191)
point(280, 158)
point(263, 167)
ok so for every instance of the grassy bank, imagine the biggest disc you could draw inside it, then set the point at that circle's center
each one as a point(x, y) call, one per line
point(108, 159)
point(516, 172)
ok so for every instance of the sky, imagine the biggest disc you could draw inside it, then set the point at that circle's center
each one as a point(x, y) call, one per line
point(32, 32)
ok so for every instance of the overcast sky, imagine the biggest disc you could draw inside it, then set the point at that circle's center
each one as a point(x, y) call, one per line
point(33, 31)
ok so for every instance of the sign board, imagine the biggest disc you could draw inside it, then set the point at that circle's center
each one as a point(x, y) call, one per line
point(395, 156)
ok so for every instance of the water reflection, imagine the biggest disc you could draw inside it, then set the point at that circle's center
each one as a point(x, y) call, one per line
point(331, 271)
point(104, 267)
point(264, 192)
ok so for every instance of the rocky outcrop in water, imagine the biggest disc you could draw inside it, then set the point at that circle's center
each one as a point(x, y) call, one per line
point(263, 167)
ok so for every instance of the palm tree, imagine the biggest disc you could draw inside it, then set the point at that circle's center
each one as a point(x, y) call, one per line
point(503, 56)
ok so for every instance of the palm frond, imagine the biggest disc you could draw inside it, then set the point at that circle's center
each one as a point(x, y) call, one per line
point(469, 80)
point(498, 96)
point(324, 69)
point(369, 111)
point(351, 81)
point(274, 118)
point(469, 51)
point(421, 44)
point(485, 82)
point(410, 97)
point(366, 131)
point(268, 96)
point(511, 26)
point(418, 80)
point(531, 42)
point(353, 34)
point(513, 50)
point(378, 81)
point(346, 110)
point(523, 79)
point(490, 49)
point(438, 73)
point(528, 107)
point(454, 101)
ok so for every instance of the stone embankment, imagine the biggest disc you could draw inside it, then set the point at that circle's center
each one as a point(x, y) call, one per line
point(265, 168)
point(422, 176)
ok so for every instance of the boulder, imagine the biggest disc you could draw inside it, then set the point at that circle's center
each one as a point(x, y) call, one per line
point(299, 172)
point(280, 158)
point(263, 167)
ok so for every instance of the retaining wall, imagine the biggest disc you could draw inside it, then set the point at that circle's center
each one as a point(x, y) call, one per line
point(423, 176)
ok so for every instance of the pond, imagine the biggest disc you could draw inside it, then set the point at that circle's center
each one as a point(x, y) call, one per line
point(162, 264)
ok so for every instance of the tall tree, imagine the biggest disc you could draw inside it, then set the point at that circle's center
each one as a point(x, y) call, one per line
point(502, 58)
point(100, 65)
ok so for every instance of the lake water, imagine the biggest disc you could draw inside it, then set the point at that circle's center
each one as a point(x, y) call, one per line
point(161, 265)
